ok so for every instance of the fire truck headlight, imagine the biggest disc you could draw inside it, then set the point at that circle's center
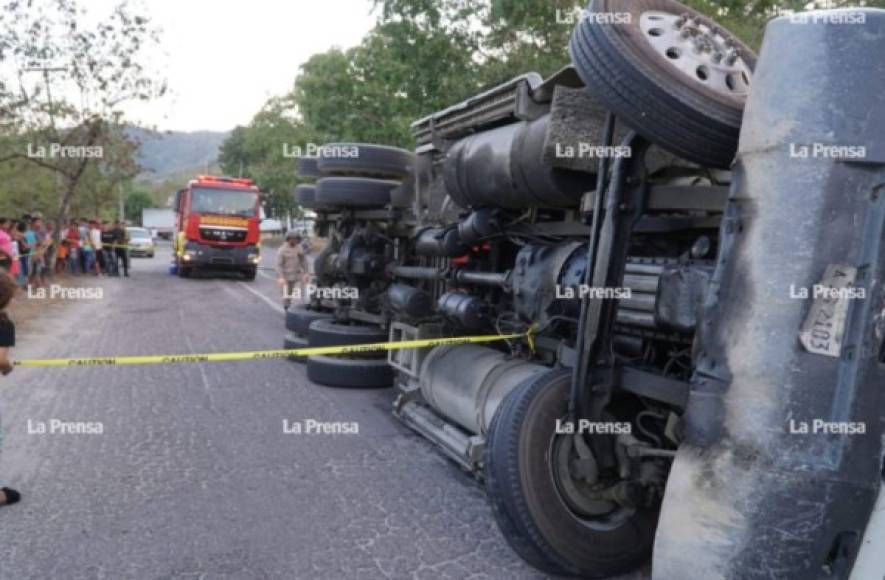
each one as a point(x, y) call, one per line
point(254, 258)
point(188, 256)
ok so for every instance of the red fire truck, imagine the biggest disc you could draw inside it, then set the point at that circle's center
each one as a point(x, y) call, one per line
point(217, 225)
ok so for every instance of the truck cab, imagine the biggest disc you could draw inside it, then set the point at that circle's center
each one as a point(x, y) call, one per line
point(217, 226)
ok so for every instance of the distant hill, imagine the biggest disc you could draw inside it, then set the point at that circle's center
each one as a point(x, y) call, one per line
point(165, 155)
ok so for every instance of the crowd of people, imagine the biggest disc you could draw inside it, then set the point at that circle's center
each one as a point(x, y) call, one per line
point(30, 253)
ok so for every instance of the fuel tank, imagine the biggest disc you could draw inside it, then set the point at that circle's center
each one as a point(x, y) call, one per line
point(466, 383)
point(504, 167)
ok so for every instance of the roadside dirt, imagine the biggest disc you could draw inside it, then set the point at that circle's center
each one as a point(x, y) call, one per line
point(27, 308)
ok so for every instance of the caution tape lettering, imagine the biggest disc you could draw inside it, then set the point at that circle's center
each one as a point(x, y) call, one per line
point(271, 354)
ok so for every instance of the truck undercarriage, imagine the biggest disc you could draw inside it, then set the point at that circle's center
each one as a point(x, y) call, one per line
point(656, 409)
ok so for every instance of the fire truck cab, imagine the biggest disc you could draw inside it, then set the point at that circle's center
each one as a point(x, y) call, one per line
point(217, 226)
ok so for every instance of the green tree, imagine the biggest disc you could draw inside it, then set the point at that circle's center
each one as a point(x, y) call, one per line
point(424, 55)
point(137, 201)
point(263, 151)
point(65, 79)
point(527, 35)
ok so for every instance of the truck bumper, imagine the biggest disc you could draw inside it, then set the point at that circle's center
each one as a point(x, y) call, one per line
point(197, 255)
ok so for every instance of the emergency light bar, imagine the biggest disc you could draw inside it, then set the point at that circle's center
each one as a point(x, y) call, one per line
point(216, 179)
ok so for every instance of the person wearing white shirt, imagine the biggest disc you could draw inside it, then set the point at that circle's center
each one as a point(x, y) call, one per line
point(95, 243)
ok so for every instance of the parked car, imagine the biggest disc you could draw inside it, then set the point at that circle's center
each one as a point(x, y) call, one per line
point(141, 243)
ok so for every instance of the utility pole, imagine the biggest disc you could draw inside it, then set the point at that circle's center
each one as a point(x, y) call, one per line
point(45, 68)
point(122, 214)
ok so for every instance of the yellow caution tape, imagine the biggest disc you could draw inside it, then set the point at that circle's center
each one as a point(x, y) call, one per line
point(268, 354)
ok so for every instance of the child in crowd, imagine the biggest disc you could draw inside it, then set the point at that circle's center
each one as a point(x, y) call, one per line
point(8, 289)
point(61, 258)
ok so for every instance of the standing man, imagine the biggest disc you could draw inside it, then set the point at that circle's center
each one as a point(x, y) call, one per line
point(27, 248)
point(89, 249)
point(95, 239)
point(120, 240)
point(85, 266)
point(41, 244)
point(73, 238)
point(291, 268)
point(108, 256)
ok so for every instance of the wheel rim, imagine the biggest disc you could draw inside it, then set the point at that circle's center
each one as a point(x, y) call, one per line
point(706, 54)
point(576, 494)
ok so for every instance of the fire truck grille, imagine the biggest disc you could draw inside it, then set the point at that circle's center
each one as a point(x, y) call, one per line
point(221, 235)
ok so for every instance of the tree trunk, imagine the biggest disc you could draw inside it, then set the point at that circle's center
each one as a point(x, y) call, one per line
point(61, 220)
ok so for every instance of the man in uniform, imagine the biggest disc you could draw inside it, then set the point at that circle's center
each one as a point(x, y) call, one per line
point(291, 268)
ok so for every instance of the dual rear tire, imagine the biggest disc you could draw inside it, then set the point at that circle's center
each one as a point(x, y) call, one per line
point(353, 176)
point(368, 370)
point(313, 328)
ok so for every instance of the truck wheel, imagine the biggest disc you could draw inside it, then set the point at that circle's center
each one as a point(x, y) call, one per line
point(403, 196)
point(293, 341)
point(533, 495)
point(334, 333)
point(669, 72)
point(307, 167)
point(349, 373)
point(360, 192)
point(250, 274)
point(305, 196)
point(184, 271)
point(300, 317)
point(366, 160)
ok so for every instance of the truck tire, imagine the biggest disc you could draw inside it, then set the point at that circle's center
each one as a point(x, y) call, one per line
point(300, 317)
point(249, 274)
point(349, 373)
point(334, 333)
point(403, 196)
point(370, 161)
point(527, 504)
point(293, 341)
point(360, 192)
point(650, 76)
point(305, 196)
point(307, 167)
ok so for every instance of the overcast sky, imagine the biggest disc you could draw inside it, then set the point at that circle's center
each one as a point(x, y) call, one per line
point(224, 59)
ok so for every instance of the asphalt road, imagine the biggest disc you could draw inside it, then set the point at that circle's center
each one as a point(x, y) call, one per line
point(193, 475)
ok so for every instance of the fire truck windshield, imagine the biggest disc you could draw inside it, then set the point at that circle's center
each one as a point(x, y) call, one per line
point(224, 202)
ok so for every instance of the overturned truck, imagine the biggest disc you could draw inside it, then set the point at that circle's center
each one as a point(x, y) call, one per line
point(686, 247)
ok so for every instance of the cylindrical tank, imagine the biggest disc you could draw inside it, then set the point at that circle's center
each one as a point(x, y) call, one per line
point(408, 300)
point(783, 458)
point(504, 167)
point(466, 383)
point(439, 243)
point(469, 311)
